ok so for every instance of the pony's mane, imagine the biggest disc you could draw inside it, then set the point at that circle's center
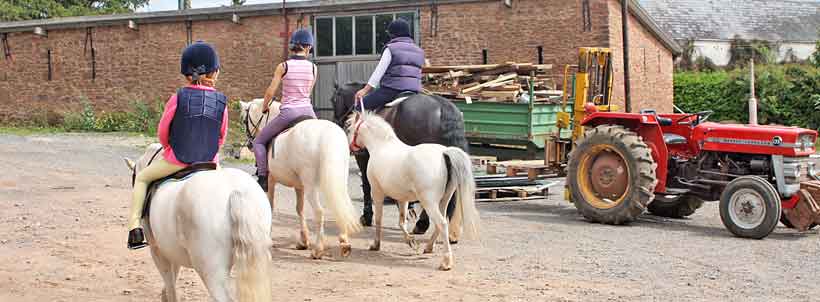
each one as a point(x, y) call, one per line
point(374, 122)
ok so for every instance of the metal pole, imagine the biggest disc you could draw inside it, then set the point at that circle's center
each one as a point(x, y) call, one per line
point(286, 35)
point(624, 29)
point(752, 99)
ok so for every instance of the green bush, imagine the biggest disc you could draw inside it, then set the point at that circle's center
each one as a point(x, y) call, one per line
point(787, 94)
point(143, 117)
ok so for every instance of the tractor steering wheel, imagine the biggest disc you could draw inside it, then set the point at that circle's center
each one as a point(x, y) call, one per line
point(702, 117)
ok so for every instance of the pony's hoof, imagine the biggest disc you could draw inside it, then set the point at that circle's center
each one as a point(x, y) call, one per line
point(301, 246)
point(428, 250)
point(345, 250)
point(375, 247)
point(447, 263)
point(445, 267)
point(317, 254)
point(413, 243)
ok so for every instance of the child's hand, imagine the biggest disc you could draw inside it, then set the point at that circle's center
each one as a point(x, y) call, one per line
point(361, 93)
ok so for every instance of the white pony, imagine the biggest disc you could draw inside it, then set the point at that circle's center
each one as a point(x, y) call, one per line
point(210, 222)
point(311, 157)
point(430, 173)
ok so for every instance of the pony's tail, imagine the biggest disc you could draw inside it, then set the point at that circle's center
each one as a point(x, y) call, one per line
point(452, 125)
point(460, 172)
point(333, 184)
point(251, 244)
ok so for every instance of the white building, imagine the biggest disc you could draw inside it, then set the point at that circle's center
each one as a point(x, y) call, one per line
point(711, 25)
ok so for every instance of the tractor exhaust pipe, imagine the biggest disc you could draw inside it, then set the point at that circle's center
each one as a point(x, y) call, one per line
point(625, 31)
point(752, 98)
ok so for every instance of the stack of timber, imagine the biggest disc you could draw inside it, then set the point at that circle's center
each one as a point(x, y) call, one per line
point(508, 82)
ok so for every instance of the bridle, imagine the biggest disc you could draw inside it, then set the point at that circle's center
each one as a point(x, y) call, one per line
point(354, 146)
point(134, 171)
point(248, 123)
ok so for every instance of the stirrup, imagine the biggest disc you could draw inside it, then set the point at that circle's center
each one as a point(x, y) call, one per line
point(136, 239)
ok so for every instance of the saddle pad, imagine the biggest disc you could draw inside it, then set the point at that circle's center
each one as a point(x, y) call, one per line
point(396, 101)
point(183, 174)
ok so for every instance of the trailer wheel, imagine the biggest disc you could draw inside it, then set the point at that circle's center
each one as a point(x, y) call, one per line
point(750, 207)
point(611, 175)
point(683, 207)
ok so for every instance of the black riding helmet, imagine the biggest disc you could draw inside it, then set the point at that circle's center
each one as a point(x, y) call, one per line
point(198, 59)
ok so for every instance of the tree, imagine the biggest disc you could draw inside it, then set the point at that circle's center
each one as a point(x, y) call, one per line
point(16, 10)
point(237, 2)
point(815, 57)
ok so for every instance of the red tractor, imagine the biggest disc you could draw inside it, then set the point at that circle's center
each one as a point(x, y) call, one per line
point(669, 164)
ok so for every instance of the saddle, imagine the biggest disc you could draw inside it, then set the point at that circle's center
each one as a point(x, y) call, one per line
point(289, 126)
point(181, 175)
point(389, 111)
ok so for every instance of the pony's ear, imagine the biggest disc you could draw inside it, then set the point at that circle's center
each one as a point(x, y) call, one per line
point(130, 163)
point(335, 84)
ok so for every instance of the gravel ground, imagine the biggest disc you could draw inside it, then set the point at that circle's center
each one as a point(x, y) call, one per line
point(63, 199)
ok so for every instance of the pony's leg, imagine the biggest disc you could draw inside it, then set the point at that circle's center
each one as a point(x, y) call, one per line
point(319, 215)
point(403, 225)
point(378, 207)
point(169, 272)
point(272, 192)
point(441, 227)
point(214, 268)
point(304, 243)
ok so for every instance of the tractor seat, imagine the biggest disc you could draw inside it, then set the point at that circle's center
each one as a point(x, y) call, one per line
point(673, 139)
point(663, 121)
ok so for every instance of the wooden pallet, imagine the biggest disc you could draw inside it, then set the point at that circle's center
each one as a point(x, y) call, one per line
point(482, 160)
point(511, 193)
point(533, 168)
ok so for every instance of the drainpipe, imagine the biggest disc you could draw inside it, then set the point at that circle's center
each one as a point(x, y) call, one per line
point(752, 99)
point(286, 34)
point(624, 29)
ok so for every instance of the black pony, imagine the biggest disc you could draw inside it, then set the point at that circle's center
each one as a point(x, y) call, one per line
point(417, 120)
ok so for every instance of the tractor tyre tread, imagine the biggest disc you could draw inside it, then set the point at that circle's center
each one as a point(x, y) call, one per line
point(639, 159)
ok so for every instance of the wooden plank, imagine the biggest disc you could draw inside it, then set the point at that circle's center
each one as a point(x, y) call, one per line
point(510, 199)
point(500, 79)
point(468, 68)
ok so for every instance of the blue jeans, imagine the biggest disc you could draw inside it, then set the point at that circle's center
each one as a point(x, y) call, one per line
point(376, 99)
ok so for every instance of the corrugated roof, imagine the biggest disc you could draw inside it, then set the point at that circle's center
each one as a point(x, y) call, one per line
point(772, 20)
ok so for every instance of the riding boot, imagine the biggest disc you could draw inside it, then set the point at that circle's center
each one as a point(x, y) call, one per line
point(263, 182)
point(136, 239)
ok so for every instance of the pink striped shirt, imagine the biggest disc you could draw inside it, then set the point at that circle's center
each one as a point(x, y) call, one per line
point(297, 83)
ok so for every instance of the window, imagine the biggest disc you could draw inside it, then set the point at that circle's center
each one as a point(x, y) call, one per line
point(359, 35)
point(324, 37)
point(364, 35)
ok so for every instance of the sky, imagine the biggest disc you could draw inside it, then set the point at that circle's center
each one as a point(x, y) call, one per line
point(160, 5)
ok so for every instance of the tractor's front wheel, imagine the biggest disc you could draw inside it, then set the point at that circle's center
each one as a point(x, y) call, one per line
point(611, 175)
point(750, 207)
point(683, 207)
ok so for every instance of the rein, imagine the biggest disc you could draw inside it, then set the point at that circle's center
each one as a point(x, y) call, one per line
point(353, 145)
point(134, 172)
point(248, 134)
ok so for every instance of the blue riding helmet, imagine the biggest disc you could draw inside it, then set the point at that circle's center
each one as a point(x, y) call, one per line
point(399, 28)
point(301, 37)
point(199, 58)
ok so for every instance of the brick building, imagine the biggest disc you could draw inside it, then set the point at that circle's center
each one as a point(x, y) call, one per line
point(48, 66)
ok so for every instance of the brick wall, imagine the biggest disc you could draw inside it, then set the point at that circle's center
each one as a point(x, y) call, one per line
point(144, 64)
point(512, 34)
point(130, 65)
point(651, 65)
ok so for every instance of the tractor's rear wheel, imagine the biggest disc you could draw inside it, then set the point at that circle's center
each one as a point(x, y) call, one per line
point(750, 207)
point(611, 175)
point(683, 207)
